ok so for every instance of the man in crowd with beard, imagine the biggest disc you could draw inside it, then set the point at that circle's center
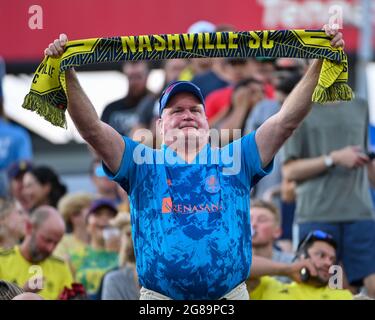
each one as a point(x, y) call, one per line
point(317, 254)
point(31, 265)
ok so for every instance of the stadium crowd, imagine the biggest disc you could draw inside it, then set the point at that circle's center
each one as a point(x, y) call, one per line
point(312, 218)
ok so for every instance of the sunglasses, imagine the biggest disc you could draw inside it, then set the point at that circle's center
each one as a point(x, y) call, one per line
point(317, 235)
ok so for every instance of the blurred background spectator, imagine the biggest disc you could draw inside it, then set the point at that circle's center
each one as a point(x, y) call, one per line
point(102, 253)
point(74, 208)
point(50, 275)
point(42, 186)
point(122, 283)
point(12, 223)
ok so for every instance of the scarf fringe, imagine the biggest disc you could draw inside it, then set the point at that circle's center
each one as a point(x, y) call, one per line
point(336, 92)
point(54, 115)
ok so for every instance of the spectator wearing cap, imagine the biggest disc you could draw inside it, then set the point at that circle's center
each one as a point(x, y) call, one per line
point(74, 208)
point(15, 142)
point(316, 254)
point(190, 219)
point(12, 223)
point(16, 172)
point(97, 260)
point(42, 186)
point(148, 107)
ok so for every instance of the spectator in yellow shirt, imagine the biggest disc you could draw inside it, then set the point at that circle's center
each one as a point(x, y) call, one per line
point(320, 250)
point(31, 265)
point(74, 208)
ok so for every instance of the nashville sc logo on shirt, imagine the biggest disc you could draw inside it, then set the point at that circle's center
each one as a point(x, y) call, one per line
point(211, 185)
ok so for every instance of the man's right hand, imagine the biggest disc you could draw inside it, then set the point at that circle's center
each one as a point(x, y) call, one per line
point(293, 270)
point(56, 48)
point(350, 157)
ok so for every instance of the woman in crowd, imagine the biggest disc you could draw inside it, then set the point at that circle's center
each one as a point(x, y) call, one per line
point(74, 208)
point(42, 186)
point(12, 223)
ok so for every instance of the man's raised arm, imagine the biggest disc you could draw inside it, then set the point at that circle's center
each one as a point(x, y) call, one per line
point(272, 134)
point(106, 141)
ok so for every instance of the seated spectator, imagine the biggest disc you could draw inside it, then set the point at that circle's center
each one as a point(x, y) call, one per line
point(317, 253)
point(16, 171)
point(12, 223)
point(31, 265)
point(122, 284)
point(266, 229)
point(42, 186)
point(74, 208)
point(148, 108)
point(96, 260)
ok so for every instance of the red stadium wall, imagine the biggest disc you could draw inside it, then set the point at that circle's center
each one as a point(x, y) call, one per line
point(97, 18)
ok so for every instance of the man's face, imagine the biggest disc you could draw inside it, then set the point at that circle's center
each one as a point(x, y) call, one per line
point(323, 256)
point(98, 221)
point(137, 75)
point(265, 227)
point(184, 114)
point(44, 241)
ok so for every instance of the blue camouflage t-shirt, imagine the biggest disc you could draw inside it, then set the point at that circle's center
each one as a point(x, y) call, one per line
point(190, 221)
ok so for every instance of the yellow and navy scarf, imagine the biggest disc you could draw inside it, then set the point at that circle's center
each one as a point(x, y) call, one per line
point(48, 90)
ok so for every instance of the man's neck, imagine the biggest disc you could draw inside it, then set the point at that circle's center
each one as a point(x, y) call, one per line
point(189, 152)
point(263, 251)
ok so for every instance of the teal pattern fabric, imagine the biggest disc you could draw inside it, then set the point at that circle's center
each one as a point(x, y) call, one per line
point(191, 222)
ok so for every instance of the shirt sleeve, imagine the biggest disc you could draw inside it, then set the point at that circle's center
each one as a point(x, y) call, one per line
point(133, 159)
point(252, 170)
point(67, 279)
point(257, 293)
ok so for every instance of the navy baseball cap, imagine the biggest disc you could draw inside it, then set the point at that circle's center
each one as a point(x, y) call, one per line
point(17, 169)
point(178, 87)
point(100, 203)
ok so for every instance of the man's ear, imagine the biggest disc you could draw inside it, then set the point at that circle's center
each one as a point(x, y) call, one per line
point(159, 126)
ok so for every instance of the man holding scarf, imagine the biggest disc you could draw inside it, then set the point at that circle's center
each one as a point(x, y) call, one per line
point(190, 217)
